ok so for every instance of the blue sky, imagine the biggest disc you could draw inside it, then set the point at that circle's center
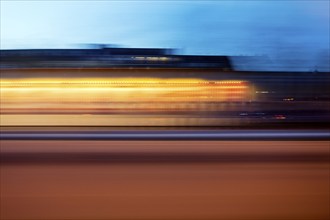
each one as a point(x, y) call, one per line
point(294, 34)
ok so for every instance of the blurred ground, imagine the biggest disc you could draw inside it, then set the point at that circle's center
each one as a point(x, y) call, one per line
point(229, 180)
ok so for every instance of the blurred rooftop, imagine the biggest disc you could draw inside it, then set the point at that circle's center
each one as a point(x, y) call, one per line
point(108, 56)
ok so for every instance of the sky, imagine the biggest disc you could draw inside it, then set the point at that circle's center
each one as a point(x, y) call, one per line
point(283, 34)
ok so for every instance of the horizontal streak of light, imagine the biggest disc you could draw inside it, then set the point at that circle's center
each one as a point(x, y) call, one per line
point(113, 88)
point(87, 90)
point(117, 80)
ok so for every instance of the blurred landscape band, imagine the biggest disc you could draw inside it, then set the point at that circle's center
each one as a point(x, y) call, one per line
point(110, 86)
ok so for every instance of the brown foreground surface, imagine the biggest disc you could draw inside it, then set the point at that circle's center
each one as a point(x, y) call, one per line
point(232, 180)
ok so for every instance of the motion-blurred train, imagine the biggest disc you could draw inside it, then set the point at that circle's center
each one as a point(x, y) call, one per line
point(152, 87)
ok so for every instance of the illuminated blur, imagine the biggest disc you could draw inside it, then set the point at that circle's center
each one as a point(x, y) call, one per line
point(61, 93)
point(142, 101)
point(118, 95)
point(113, 86)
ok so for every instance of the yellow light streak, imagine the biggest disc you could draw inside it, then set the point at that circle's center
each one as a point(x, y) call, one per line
point(113, 81)
point(62, 92)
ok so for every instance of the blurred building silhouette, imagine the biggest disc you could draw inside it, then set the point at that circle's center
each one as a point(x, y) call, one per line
point(107, 57)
